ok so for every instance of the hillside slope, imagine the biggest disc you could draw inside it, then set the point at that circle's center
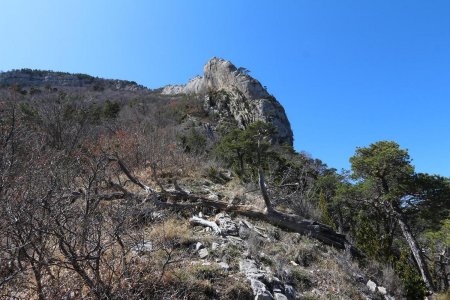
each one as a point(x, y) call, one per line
point(110, 190)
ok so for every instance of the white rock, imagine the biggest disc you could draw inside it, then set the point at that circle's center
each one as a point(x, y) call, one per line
point(243, 97)
point(382, 290)
point(224, 266)
point(199, 246)
point(259, 290)
point(142, 247)
point(203, 253)
point(372, 286)
point(214, 246)
point(227, 225)
point(279, 296)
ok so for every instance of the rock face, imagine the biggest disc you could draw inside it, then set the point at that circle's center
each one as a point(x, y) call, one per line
point(39, 78)
point(231, 92)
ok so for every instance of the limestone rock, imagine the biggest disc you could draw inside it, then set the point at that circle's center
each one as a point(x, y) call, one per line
point(279, 296)
point(226, 225)
point(255, 275)
point(289, 291)
point(260, 291)
point(142, 248)
point(203, 253)
point(41, 78)
point(224, 266)
point(214, 246)
point(372, 286)
point(382, 290)
point(199, 246)
point(230, 92)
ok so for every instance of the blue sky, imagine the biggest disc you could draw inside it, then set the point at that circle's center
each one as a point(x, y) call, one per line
point(348, 73)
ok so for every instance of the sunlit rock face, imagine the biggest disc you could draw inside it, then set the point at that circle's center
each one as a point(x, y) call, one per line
point(231, 92)
point(41, 78)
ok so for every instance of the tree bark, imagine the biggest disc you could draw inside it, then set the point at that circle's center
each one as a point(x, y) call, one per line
point(288, 222)
point(203, 222)
point(130, 176)
point(412, 243)
point(263, 188)
point(442, 267)
point(417, 253)
point(262, 181)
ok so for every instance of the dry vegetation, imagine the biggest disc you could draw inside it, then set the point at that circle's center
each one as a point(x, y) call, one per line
point(96, 188)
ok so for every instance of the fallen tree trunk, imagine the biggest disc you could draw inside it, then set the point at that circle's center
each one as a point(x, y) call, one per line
point(130, 176)
point(285, 221)
point(203, 222)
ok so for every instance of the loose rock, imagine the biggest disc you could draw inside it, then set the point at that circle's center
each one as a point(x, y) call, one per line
point(372, 286)
point(203, 253)
point(226, 225)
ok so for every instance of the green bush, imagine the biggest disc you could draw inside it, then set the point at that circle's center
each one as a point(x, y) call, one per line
point(193, 142)
point(413, 284)
point(300, 278)
point(110, 110)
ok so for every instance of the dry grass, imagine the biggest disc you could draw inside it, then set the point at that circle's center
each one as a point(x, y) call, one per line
point(171, 231)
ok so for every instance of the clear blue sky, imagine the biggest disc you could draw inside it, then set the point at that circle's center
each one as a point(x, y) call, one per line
point(348, 73)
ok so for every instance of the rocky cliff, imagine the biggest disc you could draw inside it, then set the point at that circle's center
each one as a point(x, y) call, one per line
point(39, 78)
point(231, 92)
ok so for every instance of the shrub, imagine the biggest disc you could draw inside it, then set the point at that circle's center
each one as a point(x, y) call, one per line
point(300, 278)
point(110, 110)
point(413, 285)
point(193, 142)
point(208, 272)
point(238, 289)
point(173, 232)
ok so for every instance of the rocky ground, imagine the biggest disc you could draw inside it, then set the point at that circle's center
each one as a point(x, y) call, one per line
point(275, 264)
point(251, 259)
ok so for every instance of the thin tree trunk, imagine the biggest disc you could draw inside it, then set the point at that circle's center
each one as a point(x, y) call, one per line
point(263, 188)
point(412, 243)
point(417, 253)
point(442, 269)
point(262, 182)
point(241, 162)
point(38, 278)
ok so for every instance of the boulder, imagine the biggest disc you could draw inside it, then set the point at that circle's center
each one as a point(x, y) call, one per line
point(255, 276)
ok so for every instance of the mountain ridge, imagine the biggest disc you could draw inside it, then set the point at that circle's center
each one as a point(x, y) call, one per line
point(225, 90)
point(40, 78)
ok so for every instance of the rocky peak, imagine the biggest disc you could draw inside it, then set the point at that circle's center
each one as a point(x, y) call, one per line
point(231, 92)
point(222, 74)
